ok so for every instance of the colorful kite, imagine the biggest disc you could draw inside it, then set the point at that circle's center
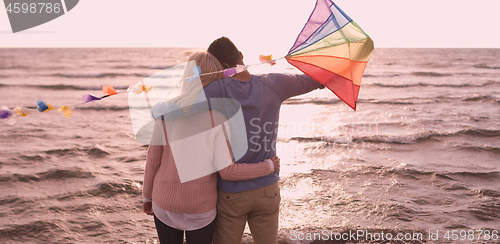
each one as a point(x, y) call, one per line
point(333, 50)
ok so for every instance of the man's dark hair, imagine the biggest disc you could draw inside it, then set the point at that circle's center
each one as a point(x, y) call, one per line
point(225, 51)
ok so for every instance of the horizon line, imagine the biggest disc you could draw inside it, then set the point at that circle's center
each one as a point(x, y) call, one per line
point(205, 48)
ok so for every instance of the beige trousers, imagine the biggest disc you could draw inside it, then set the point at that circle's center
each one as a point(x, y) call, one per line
point(260, 207)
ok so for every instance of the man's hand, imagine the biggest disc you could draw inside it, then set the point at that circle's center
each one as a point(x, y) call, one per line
point(276, 163)
point(147, 207)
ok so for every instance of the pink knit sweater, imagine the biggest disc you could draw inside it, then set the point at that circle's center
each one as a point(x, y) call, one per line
point(161, 179)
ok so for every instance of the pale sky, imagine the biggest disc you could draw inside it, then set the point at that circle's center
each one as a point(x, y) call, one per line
point(262, 26)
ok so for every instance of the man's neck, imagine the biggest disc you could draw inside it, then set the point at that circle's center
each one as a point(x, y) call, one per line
point(243, 76)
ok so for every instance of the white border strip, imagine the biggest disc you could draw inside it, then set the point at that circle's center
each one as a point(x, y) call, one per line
point(64, 6)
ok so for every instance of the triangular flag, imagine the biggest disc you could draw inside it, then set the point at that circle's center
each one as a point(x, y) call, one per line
point(66, 110)
point(89, 98)
point(43, 106)
point(109, 90)
point(22, 111)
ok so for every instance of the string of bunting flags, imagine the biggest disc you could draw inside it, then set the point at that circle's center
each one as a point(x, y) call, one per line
point(11, 115)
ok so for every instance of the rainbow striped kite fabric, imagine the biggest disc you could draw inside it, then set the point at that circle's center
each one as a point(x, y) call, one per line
point(333, 50)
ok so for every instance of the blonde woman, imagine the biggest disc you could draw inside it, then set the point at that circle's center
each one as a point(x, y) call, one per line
point(184, 201)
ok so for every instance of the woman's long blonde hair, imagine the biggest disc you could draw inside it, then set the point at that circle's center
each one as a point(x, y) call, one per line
point(190, 87)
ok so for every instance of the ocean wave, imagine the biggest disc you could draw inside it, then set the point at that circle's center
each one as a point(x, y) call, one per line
point(96, 75)
point(91, 151)
point(455, 187)
point(109, 189)
point(487, 192)
point(487, 176)
point(381, 75)
point(55, 174)
point(489, 149)
point(59, 174)
point(129, 159)
point(428, 74)
point(295, 101)
point(485, 66)
point(485, 210)
point(480, 99)
point(317, 139)
point(481, 132)
point(90, 208)
point(109, 75)
point(422, 84)
point(41, 230)
point(64, 87)
point(67, 87)
point(404, 101)
point(15, 200)
point(142, 67)
point(406, 139)
point(414, 174)
point(15, 67)
point(101, 108)
point(332, 101)
point(412, 139)
point(412, 100)
point(105, 189)
point(31, 158)
point(155, 66)
point(425, 74)
point(408, 173)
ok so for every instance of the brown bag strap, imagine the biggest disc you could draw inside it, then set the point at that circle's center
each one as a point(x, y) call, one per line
point(164, 129)
point(225, 135)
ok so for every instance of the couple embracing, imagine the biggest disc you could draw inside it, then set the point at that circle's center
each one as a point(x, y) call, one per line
point(216, 207)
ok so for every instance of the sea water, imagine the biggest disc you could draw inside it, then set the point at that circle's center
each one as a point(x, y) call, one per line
point(420, 155)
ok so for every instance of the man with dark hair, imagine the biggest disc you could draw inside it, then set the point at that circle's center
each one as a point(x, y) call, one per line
point(226, 52)
point(256, 201)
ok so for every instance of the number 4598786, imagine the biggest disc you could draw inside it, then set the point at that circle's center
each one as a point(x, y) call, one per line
point(471, 235)
point(33, 8)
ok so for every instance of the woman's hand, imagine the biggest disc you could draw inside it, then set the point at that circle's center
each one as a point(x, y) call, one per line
point(147, 207)
point(276, 163)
